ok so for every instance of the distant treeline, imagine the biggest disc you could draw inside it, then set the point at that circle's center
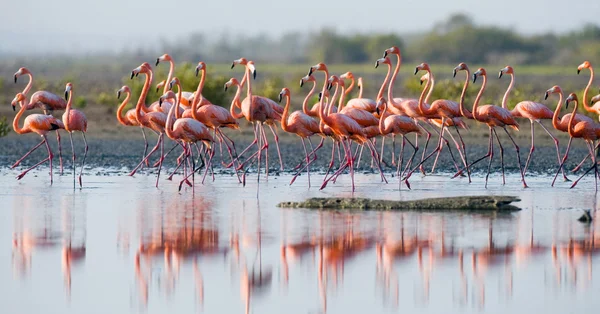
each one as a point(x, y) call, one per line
point(451, 41)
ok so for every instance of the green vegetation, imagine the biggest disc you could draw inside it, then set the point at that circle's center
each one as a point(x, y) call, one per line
point(4, 127)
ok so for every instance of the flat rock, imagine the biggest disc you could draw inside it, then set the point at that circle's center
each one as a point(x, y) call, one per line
point(459, 203)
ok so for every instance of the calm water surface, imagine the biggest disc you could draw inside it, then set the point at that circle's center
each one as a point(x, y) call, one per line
point(122, 246)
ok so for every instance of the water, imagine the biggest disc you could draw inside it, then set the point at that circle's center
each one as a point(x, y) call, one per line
point(122, 246)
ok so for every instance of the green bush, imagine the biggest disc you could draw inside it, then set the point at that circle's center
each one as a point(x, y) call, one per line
point(4, 127)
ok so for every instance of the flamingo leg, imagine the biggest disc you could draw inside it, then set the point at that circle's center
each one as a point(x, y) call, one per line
point(578, 167)
point(560, 166)
point(518, 156)
point(438, 148)
point(49, 158)
point(274, 131)
point(594, 166)
point(145, 146)
point(348, 155)
point(374, 157)
point(307, 161)
point(491, 158)
point(393, 150)
point(255, 127)
point(180, 159)
point(464, 152)
point(333, 145)
point(531, 149)
point(359, 154)
point(412, 157)
point(557, 149)
point(479, 159)
point(382, 146)
point(401, 157)
point(84, 156)
point(73, 151)
point(501, 156)
point(428, 134)
point(60, 159)
point(230, 150)
point(162, 151)
point(154, 149)
point(27, 154)
point(211, 152)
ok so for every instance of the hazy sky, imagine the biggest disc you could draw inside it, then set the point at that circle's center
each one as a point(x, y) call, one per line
point(89, 25)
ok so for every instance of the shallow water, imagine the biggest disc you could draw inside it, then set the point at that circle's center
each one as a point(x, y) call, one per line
point(122, 246)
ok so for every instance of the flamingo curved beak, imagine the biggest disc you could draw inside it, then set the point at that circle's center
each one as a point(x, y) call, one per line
point(385, 53)
point(160, 101)
point(500, 75)
point(546, 95)
point(132, 74)
point(67, 95)
point(301, 83)
point(197, 72)
point(157, 61)
point(16, 78)
point(119, 94)
point(280, 97)
point(232, 65)
point(320, 96)
point(578, 71)
point(310, 71)
point(225, 87)
point(416, 70)
point(376, 64)
point(474, 77)
point(454, 72)
point(254, 74)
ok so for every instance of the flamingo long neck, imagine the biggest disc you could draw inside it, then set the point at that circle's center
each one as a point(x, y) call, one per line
point(234, 103)
point(431, 86)
point(332, 100)
point(350, 87)
point(476, 115)
point(392, 81)
point(360, 87)
point(321, 105)
point(178, 101)
point(305, 102)
point(426, 109)
point(68, 110)
point(249, 90)
point(198, 96)
point(555, 121)
point(142, 100)
point(121, 108)
point(463, 111)
point(169, 76)
point(284, 116)
point(381, 118)
point(571, 125)
point(170, 121)
point(585, 92)
point(16, 127)
point(342, 96)
point(422, 96)
point(29, 84)
point(510, 87)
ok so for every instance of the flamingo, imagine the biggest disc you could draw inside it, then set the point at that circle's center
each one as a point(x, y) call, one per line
point(154, 120)
point(589, 131)
point(360, 102)
point(46, 101)
point(74, 120)
point(531, 110)
point(446, 110)
point(35, 123)
point(186, 130)
point(493, 116)
point(185, 96)
point(595, 107)
point(298, 123)
point(563, 124)
point(397, 124)
point(262, 110)
point(129, 119)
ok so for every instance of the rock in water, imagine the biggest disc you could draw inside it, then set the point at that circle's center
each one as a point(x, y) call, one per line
point(460, 203)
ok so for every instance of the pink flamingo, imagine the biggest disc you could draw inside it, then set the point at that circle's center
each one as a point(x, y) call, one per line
point(185, 96)
point(531, 110)
point(590, 132)
point(493, 116)
point(186, 130)
point(74, 120)
point(314, 110)
point(129, 119)
point(154, 120)
point(397, 124)
point(360, 102)
point(35, 123)
point(563, 124)
point(298, 123)
point(46, 101)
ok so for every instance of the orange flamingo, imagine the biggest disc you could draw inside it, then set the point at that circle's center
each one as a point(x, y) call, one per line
point(298, 123)
point(360, 102)
point(493, 116)
point(531, 110)
point(314, 110)
point(75, 120)
point(186, 130)
point(588, 131)
point(397, 124)
point(46, 101)
point(35, 123)
point(563, 124)
point(185, 96)
point(154, 120)
point(129, 118)
point(595, 107)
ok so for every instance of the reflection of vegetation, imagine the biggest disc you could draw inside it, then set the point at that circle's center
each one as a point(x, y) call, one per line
point(4, 127)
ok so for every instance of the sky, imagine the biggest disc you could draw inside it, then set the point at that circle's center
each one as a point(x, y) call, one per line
point(88, 26)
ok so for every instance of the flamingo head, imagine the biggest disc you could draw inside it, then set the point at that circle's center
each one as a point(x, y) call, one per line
point(507, 69)
point(359, 84)
point(200, 67)
point(334, 79)
point(479, 72)
point(347, 76)
point(20, 97)
point(174, 81)
point(460, 67)
point(168, 95)
point(392, 50)
point(572, 97)
point(381, 105)
point(21, 71)
point(317, 67)
point(584, 65)
point(424, 78)
point(422, 67)
point(327, 94)
point(252, 68)
point(165, 57)
point(232, 81)
point(124, 89)
point(160, 85)
point(553, 90)
point(595, 99)
point(242, 61)
point(143, 68)
point(68, 89)
point(384, 60)
point(285, 92)
point(307, 78)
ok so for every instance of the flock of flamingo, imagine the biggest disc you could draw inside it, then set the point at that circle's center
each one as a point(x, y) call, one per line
point(196, 124)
